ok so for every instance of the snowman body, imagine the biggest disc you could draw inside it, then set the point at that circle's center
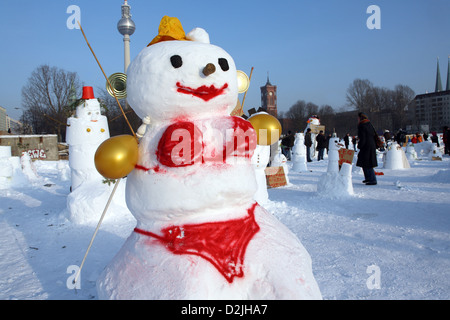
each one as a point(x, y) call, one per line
point(85, 132)
point(299, 154)
point(200, 234)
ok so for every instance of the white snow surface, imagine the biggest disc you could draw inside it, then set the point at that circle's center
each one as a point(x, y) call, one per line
point(397, 232)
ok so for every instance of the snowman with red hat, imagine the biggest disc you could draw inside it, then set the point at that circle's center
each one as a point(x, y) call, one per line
point(200, 234)
point(86, 130)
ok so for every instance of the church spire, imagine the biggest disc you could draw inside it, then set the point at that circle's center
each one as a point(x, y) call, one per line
point(448, 75)
point(438, 79)
point(268, 81)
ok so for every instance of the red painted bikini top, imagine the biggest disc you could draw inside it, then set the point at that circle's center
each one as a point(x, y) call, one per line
point(184, 143)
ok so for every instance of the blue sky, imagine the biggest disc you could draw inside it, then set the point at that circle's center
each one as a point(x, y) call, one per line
point(312, 50)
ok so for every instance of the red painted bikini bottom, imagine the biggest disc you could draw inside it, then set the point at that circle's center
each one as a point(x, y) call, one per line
point(221, 243)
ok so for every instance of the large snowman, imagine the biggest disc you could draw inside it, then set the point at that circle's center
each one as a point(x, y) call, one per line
point(200, 234)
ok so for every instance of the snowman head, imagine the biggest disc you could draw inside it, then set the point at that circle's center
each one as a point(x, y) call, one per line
point(89, 110)
point(181, 76)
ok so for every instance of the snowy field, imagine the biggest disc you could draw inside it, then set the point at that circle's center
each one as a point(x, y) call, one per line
point(389, 241)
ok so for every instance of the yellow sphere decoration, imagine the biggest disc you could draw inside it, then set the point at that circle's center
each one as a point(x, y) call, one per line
point(243, 81)
point(117, 156)
point(267, 127)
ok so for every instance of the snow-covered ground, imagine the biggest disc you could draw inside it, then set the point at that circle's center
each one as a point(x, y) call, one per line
point(389, 241)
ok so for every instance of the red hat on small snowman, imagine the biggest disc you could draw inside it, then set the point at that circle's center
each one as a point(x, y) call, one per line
point(88, 93)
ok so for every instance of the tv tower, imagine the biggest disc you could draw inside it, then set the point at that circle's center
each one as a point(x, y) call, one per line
point(126, 28)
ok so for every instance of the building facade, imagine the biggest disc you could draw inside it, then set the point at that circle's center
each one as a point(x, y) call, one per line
point(431, 111)
point(3, 120)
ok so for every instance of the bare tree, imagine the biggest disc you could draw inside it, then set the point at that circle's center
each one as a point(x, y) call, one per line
point(45, 99)
point(358, 94)
point(116, 119)
point(298, 114)
point(403, 95)
point(311, 108)
point(327, 117)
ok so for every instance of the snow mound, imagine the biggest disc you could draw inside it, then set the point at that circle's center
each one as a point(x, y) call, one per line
point(86, 204)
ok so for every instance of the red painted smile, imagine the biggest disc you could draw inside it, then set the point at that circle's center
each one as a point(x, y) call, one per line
point(203, 92)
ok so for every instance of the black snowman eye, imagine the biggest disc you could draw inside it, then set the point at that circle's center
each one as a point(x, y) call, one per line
point(176, 61)
point(224, 64)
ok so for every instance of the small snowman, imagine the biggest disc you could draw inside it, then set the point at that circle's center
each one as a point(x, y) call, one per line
point(395, 158)
point(435, 152)
point(333, 154)
point(6, 168)
point(410, 152)
point(200, 234)
point(280, 160)
point(336, 182)
point(260, 159)
point(299, 154)
point(86, 130)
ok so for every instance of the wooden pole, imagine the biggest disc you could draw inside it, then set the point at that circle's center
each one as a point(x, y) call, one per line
point(96, 229)
point(245, 94)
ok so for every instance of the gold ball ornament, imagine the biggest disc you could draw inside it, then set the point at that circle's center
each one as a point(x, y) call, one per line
point(117, 156)
point(243, 81)
point(267, 127)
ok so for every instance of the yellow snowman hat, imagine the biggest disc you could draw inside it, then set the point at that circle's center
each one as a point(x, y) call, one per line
point(170, 28)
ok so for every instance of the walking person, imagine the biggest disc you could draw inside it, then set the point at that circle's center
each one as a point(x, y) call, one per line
point(287, 145)
point(347, 140)
point(308, 144)
point(328, 142)
point(446, 139)
point(354, 143)
point(321, 144)
point(367, 157)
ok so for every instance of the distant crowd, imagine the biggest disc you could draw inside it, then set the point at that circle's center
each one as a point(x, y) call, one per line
point(401, 137)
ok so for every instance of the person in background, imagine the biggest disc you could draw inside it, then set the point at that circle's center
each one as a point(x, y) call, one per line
point(400, 137)
point(347, 140)
point(328, 142)
point(367, 157)
point(387, 136)
point(308, 144)
point(287, 143)
point(419, 138)
point(321, 144)
point(446, 139)
point(434, 138)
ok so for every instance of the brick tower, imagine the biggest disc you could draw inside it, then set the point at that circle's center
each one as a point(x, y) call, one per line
point(269, 98)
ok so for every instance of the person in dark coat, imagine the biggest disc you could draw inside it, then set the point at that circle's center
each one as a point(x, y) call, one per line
point(321, 144)
point(288, 144)
point(347, 140)
point(308, 144)
point(367, 156)
point(446, 139)
point(327, 143)
point(434, 138)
